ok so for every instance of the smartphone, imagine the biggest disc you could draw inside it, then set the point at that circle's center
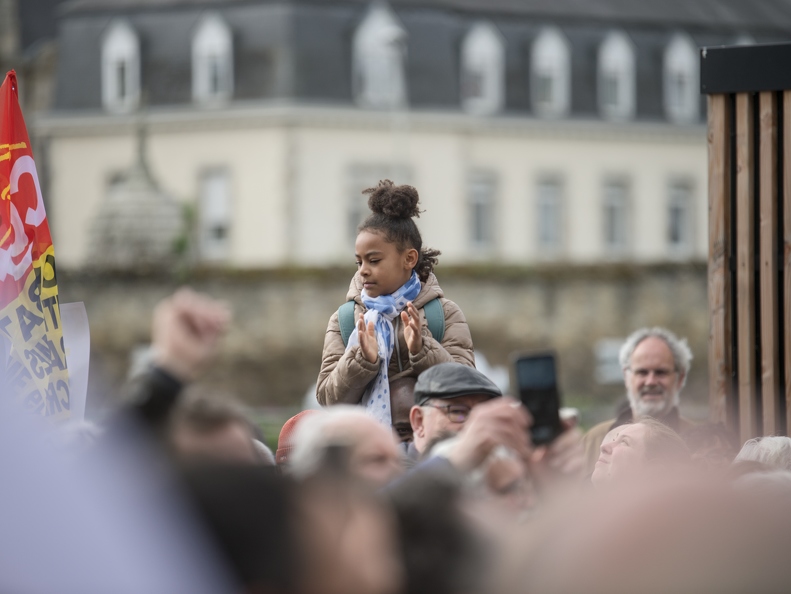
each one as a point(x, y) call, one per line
point(535, 375)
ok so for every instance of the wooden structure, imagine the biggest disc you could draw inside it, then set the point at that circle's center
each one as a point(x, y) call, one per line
point(749, 138)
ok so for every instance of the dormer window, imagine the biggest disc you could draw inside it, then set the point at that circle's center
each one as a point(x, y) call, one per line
point(120, 68)
point(378, 54)
point(616, 78)
point(681, 80)
point(743, 39)
point(483, 70)
point(550, 73)
point(212, 61)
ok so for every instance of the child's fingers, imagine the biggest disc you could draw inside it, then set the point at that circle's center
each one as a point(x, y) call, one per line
point(407, 320)
point(415, 316)
point(413, 312)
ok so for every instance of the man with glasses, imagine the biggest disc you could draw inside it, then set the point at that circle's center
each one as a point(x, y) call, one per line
point(452, 399)
point(655, 365)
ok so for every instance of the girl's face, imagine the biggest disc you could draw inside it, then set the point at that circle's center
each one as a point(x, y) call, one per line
point(381, 266)
point(622, 454)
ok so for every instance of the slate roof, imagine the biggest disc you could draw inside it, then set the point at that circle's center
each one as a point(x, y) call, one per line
point(300, 50)
point(752, 14)
point(37, 21)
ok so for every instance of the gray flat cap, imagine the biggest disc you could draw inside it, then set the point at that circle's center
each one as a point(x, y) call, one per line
point(450, 380)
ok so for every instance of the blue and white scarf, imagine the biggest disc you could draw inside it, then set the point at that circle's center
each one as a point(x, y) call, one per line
point(382, 311)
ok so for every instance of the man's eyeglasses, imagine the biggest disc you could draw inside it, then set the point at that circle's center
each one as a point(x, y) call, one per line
point(659, 373)
point(457, 413)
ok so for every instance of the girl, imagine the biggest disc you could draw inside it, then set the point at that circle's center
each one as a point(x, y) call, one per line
point(391, 337)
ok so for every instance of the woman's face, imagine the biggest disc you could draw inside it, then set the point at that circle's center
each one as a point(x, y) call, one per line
point(622, 454)
point(382, 267)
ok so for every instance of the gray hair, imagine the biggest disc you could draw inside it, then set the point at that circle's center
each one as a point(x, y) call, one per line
point(316, 433)
point(682, 355)
point(774, 451)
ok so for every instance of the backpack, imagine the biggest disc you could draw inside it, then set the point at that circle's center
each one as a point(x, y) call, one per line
point(435, 318)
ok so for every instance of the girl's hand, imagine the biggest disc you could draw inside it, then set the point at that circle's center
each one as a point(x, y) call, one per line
point(412, 334)
point(367, 340)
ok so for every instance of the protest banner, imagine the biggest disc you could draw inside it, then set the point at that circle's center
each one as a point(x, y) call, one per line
point(35, 363)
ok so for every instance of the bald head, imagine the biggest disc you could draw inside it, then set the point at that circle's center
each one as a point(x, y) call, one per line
point(373, 452)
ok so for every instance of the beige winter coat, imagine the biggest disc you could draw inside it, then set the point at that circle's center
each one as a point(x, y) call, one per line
point(345, 374)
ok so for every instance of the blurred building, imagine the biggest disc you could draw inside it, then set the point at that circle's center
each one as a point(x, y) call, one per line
point(27, 44)
point(542, 130)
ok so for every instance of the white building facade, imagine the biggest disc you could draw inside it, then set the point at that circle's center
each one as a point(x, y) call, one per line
point(530, 141)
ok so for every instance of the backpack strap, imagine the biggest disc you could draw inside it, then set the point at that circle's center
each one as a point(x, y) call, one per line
point(435, 318)
point(346, 321)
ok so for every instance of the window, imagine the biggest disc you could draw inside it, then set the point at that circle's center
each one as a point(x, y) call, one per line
point(212, 61)
point(120, 68)
point(615, 213)
point(679, 218)
point(483, 70)
point(482, 189)
point(549, 217)
point(550, 73)
point(608, 364)
point(681, 80)
point(378, 54)
point(616, 78)
point(361, 177)
point(214, 231)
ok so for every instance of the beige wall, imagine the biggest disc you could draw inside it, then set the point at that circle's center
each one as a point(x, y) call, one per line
point(83, 166)
point(80, 170)
point(289, 174)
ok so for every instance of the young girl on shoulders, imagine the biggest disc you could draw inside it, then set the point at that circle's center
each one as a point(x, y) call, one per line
point(393, 284)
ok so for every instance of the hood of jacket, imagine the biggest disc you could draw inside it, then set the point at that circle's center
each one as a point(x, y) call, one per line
point(429, 290)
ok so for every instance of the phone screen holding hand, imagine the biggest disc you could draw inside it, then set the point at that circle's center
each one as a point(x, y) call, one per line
point(536, 379)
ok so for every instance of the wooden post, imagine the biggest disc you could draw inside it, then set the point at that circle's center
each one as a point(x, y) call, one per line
point(749, 195)
point(770, 330)
point(745, 265)
point(720, 332)
point(787, 250)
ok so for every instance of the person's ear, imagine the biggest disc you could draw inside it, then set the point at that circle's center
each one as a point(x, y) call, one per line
point(411, 256)
point(682, 375)
point(416, 420)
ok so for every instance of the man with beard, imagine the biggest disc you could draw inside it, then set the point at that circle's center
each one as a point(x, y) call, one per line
point(655, 365)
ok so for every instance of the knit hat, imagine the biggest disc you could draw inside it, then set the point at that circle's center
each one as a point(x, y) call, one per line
point(284, 445)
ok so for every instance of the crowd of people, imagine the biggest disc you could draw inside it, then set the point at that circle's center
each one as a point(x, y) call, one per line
point(419, 475)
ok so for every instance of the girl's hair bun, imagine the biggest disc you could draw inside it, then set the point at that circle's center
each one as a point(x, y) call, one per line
point(390, 200)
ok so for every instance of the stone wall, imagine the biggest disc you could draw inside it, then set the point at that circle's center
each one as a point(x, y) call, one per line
point(273, 351)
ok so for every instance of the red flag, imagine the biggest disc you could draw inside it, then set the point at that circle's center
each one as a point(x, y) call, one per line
point(29, 309)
